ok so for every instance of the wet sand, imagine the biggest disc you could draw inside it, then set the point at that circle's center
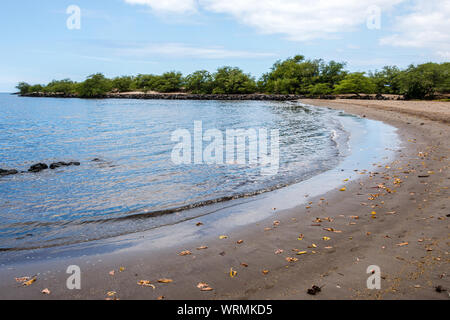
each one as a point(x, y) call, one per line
point(407, 238)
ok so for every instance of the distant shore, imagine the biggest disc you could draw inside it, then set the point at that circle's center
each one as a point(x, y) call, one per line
point(189, 96)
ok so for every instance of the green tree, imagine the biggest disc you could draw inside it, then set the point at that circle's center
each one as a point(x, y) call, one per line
point(425, 80)
point(228, 80)
point(292, 76)
point(387, 80)
point(355, 83)
point(23, 87)
point(95, 86)
point(65, 86)
point(169, 82)
point(320, 89)
point(199, 82)
point(331, 73)
point(123, 84)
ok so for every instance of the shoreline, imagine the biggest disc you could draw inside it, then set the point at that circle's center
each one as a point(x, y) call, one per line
point(229, 97)
point(339, 263)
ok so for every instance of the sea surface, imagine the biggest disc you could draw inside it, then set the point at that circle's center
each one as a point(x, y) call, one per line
point(127, 181)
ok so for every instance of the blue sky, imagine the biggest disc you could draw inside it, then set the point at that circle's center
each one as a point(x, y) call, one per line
point(119, 37)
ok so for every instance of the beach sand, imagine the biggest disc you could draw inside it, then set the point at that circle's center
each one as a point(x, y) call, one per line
point(408, 237)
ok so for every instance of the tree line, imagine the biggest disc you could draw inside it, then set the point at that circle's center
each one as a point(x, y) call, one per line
point(295, 75)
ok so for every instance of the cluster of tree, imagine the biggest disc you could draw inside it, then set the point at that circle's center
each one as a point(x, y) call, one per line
point(292, 76)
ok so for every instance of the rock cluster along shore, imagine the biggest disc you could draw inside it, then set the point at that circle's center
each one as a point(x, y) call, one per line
point(230, 97)
point(38, 167)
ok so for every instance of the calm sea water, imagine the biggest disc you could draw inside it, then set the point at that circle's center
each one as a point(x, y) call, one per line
point(135, 186)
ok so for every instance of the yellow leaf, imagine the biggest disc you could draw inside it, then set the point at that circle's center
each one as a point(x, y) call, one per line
point(302, 252)
point(223, 237)
point(233, 273)
point(289, 259)
point(29, 282)
point(326, 238)
point(146, 283)
point(204, 286)
point(165, 280)
point(343, 189)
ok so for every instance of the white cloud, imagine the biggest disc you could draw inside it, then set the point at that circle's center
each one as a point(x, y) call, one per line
point(170, 6)
point(300, 20)
point(426, 26)
point(188, 51)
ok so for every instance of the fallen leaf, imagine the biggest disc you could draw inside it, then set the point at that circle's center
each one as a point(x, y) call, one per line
point(111, 293)
point(202, 248)
point(244, 265)
point(240, 242)
point(265, 272)
point(343, 189)
point(290, 259)
point(279, 251)
point(45, 291)
point(29, 282)
point(223, 237)
point(302, 252)
point(185, 253)
point(112, 272)
point(402, 244)
point(276, 223)
point(160, 298)
point(204, 286)
point(233, 273)
point(326, 238)
point(121, 269)
point(22, 279)
point(146, 283)
point(165, 280)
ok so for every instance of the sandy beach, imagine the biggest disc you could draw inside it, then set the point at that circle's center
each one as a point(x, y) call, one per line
point(394, 216)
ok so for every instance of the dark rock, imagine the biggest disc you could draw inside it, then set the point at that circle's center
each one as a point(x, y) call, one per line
point(38, 167)
point(314, 290)
point(440, 289)
point(8, 172)
point(63, 164)
point(58, 164)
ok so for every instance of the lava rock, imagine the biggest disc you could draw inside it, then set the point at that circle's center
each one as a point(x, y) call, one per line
point(38, 167)
point(4, 172)
point(63, 164)
point(314, 290)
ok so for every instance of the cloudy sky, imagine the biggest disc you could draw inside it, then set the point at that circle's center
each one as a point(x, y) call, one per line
point(120, 37)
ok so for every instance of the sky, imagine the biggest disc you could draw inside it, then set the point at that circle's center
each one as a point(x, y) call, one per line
point(42, 40)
